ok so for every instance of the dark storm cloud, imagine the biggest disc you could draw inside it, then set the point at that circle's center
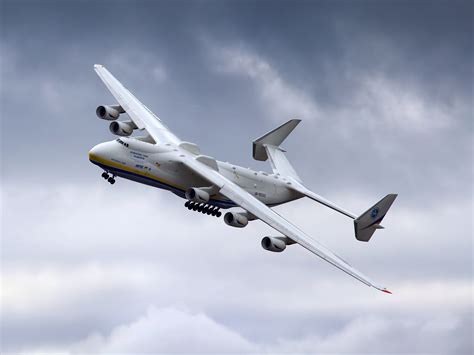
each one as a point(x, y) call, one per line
point(326, 49)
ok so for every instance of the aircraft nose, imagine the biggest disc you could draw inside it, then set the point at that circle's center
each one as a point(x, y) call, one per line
point(97, 152)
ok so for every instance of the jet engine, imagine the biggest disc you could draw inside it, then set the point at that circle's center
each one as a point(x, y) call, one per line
point(109, 113)
point(197, 195)
point(234, 219)
point(276, 244)
point(123, 129)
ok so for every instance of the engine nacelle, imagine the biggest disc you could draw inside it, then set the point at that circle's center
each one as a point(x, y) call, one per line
point(197, 195)
point(276, 244)
point(238, 220)
point(109, 113)
point(123, 129)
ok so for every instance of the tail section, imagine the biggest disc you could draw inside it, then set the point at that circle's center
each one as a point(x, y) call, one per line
point(368, 222)
point(268, 147)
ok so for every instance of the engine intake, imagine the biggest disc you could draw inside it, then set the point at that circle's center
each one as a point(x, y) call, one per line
point(197, 195)
point(276, 244)
point(237, 220)
point(123, 129)
point(109, 113)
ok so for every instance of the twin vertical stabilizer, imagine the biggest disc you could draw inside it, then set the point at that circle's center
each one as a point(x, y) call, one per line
point(268, 147)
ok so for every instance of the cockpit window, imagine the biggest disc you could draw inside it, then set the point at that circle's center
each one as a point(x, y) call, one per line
point(122, 142)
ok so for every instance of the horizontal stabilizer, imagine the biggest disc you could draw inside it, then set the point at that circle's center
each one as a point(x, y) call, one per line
point(368, 222)
point(299, 187)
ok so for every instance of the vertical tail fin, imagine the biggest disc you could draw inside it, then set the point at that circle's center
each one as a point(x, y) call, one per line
point(268, 146)
point(368, 222)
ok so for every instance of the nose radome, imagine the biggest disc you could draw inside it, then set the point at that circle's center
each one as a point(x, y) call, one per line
point(97, 152)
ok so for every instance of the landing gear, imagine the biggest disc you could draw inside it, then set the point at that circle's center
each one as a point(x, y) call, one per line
point(110, 179)
point(204, 208)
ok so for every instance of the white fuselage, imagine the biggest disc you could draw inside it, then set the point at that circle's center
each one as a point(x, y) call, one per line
point(152, 164)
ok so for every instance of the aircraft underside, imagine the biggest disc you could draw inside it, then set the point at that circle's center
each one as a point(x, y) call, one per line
point(211, 207)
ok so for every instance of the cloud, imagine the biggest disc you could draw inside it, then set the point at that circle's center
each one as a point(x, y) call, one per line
point(375, 334)
point(164, 330)
point(277, 96)
point(167, 330)
point(374, 100)
point(384, 101)
point(95, 282)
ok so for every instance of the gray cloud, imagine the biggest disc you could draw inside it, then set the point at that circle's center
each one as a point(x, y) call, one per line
point(373, 88)
point(96, 266)
point(160, 330)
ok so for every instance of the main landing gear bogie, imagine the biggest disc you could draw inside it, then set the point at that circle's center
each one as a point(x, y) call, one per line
point(203, 208)
point(110, 179)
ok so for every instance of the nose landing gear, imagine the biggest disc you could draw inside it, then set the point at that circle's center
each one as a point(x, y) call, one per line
point(110, 179)
point(204, 208)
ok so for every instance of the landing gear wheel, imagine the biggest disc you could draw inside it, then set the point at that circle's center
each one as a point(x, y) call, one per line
point(204, 208)
point(105, 175)
point(111, 180)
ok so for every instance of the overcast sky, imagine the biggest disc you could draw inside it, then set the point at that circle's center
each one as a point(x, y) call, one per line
point(385, 91)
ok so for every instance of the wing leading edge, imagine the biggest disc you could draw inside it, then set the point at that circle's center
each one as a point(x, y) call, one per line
point(138, 112)
point(273, 219)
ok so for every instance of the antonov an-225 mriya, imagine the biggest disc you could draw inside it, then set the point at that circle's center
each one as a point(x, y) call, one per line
point(161, 159)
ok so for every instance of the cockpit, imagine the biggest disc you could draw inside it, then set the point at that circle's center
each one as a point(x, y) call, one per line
point(122, 142)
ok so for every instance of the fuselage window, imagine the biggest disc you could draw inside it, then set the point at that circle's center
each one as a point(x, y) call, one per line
point(122, 142)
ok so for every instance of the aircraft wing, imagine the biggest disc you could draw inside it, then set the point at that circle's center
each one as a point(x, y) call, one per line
point(138, 112)
point(273, 219)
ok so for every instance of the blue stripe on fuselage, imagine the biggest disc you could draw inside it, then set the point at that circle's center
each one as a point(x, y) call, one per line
point(158, 184)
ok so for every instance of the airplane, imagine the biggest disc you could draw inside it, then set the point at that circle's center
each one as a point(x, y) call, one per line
point(160, 159)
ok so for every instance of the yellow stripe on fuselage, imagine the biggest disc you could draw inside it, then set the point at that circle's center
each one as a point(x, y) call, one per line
point(95, 159)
